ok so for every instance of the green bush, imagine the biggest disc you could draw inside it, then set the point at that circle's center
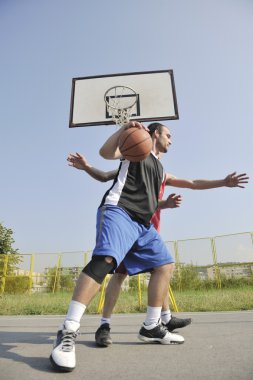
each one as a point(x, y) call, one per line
point(58, 281)
point(133, 283)
point(186, 278)
point(17, 284)
point(67, 283)
point(233, 282)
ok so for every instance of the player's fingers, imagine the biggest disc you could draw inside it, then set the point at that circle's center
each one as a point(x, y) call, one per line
point(242, 176)
point(71, 156)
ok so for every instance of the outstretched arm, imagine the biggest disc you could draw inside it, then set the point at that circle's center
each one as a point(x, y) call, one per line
point(172, 201)
point(231, 180)
point(78, 161)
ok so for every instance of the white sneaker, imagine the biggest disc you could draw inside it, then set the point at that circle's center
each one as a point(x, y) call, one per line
point(160, 334)
point(63, 357)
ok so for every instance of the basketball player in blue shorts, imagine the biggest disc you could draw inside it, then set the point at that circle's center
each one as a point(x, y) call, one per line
point(123, 223)
point(102, 336)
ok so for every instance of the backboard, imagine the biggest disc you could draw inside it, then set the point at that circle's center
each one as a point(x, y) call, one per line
point(156, 97)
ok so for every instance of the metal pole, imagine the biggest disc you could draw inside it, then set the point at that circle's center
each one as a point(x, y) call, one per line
point(31, 274)
point(5, 267)
point(216, 266)
point(56, 272)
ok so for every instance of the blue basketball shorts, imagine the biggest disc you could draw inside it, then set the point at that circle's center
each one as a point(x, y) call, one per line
point(140, 247)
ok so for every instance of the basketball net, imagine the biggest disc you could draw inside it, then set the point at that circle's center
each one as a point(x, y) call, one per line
point(120, 101)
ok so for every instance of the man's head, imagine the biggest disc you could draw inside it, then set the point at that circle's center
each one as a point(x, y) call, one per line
point(161, 137)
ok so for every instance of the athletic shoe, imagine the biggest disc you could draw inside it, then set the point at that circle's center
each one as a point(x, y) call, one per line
point(177, 323)
point(102, 336)
point(159, 334)
point(63, 357)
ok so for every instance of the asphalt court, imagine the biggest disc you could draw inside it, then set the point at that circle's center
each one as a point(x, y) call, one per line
point(218, 346)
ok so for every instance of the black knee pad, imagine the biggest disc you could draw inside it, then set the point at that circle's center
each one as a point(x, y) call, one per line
point(98, 268)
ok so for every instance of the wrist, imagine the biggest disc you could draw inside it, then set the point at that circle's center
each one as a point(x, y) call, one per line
point(86, 167)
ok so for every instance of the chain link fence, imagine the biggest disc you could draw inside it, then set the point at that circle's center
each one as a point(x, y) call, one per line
point(200, 262)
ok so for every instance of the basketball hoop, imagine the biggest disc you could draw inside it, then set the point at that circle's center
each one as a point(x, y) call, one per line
point(120, 101)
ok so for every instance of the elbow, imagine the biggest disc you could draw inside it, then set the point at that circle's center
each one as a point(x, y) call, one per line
point(102, 153)
point(193, 186)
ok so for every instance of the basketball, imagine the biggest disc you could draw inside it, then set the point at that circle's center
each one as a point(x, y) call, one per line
point(135, 144)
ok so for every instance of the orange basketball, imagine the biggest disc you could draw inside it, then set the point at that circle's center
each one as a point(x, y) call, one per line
point(135, 144)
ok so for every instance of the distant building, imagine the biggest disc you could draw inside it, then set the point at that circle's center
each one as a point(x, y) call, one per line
point(232, 270)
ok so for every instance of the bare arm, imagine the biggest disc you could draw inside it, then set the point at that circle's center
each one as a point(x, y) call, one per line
point(231, 180)
point(110, 149)
point(78, 161)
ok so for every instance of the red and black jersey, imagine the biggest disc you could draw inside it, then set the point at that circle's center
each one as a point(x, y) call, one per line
point(136, 188)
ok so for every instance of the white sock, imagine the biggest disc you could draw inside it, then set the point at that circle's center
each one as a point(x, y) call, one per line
point(105, 320)
point(75, 311)
point(165, 316)
point(152, 316)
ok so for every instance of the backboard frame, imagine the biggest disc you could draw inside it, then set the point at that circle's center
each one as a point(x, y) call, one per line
point(174, 116)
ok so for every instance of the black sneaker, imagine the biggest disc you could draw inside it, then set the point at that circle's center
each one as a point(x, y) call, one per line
point(102, 336)
point(177, 323)
point(159, 334)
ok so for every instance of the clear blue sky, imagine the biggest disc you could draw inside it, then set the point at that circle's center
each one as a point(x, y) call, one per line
point(44, 44)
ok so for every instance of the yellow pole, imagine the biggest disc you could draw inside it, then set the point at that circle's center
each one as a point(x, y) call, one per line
point(251, 234)
point(85, 258)
point(5, 267)
point(172, 300)
point(56, 272)
point(102, 296)
point(215, 261)
point(139, 290)
point(31, 273)
point(178, 273)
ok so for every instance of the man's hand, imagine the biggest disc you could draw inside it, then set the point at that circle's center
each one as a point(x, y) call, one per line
point(172, 201)
point(78, 161)
point(233, 180)
point(135, 124)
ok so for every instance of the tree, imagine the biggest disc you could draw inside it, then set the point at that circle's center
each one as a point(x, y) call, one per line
point(6, 241)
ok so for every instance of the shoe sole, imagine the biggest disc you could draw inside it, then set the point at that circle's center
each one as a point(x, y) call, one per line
point(157, 340)
point(60, 368)
point(107, 344)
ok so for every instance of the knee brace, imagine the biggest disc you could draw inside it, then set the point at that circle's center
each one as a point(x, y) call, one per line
point(98, 268)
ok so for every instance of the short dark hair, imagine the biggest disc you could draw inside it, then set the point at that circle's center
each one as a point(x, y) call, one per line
point(153, 127)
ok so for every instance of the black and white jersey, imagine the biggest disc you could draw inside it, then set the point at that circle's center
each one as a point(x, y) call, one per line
point(136, 188)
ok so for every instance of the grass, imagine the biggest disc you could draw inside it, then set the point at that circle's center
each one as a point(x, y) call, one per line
point(231, 299)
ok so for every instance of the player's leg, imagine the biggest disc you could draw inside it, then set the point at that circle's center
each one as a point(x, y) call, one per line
point(102, 335)
point(115, 236)
point(152, 330)
point(88, 284)
point(150, 252)
point(168, 320)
